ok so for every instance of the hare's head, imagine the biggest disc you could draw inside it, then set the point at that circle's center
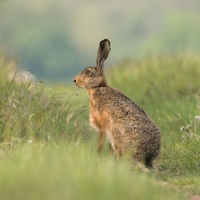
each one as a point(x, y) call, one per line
point(92, 77)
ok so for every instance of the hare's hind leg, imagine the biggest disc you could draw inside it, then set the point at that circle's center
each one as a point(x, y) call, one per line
point(102, 136)
point(118, 152)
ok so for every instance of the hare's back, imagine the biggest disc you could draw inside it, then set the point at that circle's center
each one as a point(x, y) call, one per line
point(124, 111)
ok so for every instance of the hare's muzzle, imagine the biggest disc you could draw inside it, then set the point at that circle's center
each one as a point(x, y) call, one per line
point(78, 82)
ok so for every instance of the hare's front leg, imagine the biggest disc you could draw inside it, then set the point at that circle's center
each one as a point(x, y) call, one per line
point(111, 150)
point(102, 136)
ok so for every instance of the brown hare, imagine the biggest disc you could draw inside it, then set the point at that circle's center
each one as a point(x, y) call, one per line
point(127, 127)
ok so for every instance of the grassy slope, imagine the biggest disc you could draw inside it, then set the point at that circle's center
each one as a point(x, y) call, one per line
point(47, 147)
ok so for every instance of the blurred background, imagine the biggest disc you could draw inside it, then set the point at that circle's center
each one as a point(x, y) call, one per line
point(55, 39)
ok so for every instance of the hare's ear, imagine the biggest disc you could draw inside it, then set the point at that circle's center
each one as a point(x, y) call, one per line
point(103, 51)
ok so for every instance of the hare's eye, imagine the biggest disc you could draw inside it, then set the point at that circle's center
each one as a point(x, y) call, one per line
point(87, 72)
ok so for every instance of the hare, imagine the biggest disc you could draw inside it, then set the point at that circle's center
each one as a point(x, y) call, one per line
point(127, 127)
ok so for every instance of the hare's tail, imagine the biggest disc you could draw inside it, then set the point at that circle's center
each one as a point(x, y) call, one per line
point(148, 162)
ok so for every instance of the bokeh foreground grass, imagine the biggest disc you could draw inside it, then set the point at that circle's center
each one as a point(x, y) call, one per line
point(41, 171)
point(48, 150)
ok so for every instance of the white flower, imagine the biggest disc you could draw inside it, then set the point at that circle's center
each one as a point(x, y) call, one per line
point(182, 128)
point(30, 141)
point(197, 117)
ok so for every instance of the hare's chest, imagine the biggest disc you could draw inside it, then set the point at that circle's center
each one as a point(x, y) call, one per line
point(95, 119)
point(95, 116)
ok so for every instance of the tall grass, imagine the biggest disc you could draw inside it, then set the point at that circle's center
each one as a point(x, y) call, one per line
point(35, 115)
point(48, 151)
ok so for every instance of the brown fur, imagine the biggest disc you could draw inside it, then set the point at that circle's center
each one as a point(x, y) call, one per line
point(128, 128)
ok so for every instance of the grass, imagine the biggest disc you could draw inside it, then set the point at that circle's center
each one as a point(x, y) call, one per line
point(48, 150)
point(41, 171)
